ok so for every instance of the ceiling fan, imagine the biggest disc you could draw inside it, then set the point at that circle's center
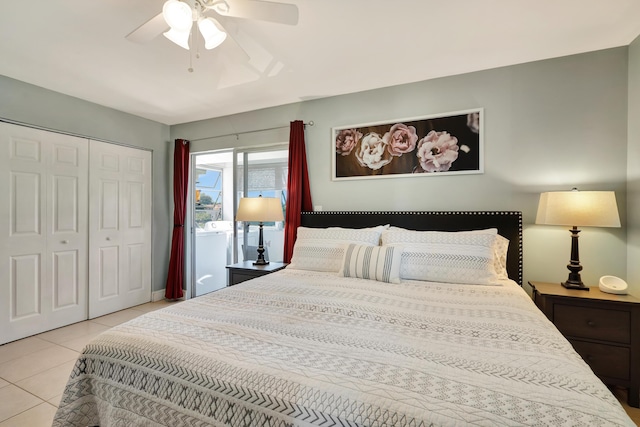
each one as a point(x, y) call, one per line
point(177, 18)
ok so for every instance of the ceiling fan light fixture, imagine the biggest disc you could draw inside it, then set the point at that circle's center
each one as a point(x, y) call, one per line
point(178, 15)
point(212, 32)
point(181, 38)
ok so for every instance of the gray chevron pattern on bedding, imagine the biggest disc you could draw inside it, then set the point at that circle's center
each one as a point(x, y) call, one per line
point(304, 348)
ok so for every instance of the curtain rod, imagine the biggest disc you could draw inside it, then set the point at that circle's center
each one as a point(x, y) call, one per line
point(237, 134)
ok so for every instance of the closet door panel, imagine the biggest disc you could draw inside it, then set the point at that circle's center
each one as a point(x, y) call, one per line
point(108, 274)
point(67, 229)
point(64, 278)
point(109, 200)
point(23, 237)
point(44, 176)
point(65, 205)
point(25, 287)
point(26, 209)
point(120, 224)
point(136, 266)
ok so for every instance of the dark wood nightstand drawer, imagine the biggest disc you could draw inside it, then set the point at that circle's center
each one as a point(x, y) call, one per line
point(593, 323)
point(246, 270)
point(604, 329)
point(239, 277)
point(605, 360)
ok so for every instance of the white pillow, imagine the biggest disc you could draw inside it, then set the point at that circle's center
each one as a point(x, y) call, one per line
point(441, 256)
point(500, 248)
point(381, 263)
point(322, 249)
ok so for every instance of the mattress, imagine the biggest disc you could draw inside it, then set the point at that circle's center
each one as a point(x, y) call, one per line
point(305, 348)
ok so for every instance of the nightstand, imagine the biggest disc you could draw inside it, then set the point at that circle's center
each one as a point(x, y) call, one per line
point(603, 328)
point(245, 270)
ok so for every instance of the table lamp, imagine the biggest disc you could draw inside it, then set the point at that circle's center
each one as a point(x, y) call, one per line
point(578, 208)
point(259, 209)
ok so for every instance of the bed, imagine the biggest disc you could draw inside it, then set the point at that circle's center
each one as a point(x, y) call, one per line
point(372, 344)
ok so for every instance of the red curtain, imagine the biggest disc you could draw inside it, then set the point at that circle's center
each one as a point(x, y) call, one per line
point(298, 192)
point(175, 276)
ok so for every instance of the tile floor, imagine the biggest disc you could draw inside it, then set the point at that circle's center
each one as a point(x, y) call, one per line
point(621, 394)
point(34, 370)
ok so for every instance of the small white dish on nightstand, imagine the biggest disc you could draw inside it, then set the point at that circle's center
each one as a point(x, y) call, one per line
point(613, 285)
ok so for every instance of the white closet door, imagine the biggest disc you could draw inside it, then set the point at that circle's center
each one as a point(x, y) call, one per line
point(120, 228)
point(43, 231)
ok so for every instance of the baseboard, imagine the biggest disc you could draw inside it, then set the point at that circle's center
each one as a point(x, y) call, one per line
point(157, 295)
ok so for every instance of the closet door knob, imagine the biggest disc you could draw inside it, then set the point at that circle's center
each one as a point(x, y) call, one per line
point(108, 238)
point(64, 242)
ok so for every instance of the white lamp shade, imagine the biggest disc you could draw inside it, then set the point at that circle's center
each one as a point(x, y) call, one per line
point(578, 208)
point(259, 209)
point(181, 38)
point(178, 15)
point(212, 32)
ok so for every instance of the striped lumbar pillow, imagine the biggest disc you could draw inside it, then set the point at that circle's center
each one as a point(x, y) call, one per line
point(381, 263)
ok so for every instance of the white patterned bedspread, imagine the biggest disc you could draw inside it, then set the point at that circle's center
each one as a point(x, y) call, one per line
point(313, 349)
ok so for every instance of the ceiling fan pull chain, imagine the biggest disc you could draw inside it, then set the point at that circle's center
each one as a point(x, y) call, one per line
point(190, 69)
point(197, 45)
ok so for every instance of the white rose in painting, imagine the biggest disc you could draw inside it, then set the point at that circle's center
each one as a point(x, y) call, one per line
point(437, 151)
point(372, 152)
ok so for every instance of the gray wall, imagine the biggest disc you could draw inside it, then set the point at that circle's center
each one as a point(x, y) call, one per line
point(25, 103)
point(633, 168)
point(549, 125)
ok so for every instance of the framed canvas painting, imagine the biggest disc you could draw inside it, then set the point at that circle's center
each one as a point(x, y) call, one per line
point(436, 145)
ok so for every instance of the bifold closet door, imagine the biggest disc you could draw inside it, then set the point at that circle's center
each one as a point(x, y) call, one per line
point(43, 231)
point(119, 228)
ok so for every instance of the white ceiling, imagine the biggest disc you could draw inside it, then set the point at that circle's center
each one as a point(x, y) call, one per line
point(78, 47)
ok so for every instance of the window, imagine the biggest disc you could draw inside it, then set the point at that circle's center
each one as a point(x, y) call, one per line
point(208, 197)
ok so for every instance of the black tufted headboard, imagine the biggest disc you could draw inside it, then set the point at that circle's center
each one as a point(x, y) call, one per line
point(508, 223)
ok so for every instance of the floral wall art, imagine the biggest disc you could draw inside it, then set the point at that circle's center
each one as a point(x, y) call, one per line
point(448, 143)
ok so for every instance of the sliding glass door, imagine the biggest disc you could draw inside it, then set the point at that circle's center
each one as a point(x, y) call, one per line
point(218, 180)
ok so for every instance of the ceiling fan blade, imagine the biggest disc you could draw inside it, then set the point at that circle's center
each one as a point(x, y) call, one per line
point(248, 52)
point(282, 13)
point(234, 49)
point(149, 30)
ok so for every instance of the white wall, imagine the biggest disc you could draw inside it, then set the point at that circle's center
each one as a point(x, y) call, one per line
point(36, 106)
point(549, 125)
point(633, 168)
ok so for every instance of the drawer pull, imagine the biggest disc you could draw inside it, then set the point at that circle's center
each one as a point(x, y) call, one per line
point(591, 323)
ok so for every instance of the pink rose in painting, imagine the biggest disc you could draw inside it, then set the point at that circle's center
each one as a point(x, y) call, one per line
point(372, 152)
point(437, 151)
point(400, 139)
point(473, 122)
point(346, 140)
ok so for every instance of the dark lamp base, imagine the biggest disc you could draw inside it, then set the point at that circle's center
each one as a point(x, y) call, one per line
point(574, 281)
point(571, 285)
point(261, 262)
